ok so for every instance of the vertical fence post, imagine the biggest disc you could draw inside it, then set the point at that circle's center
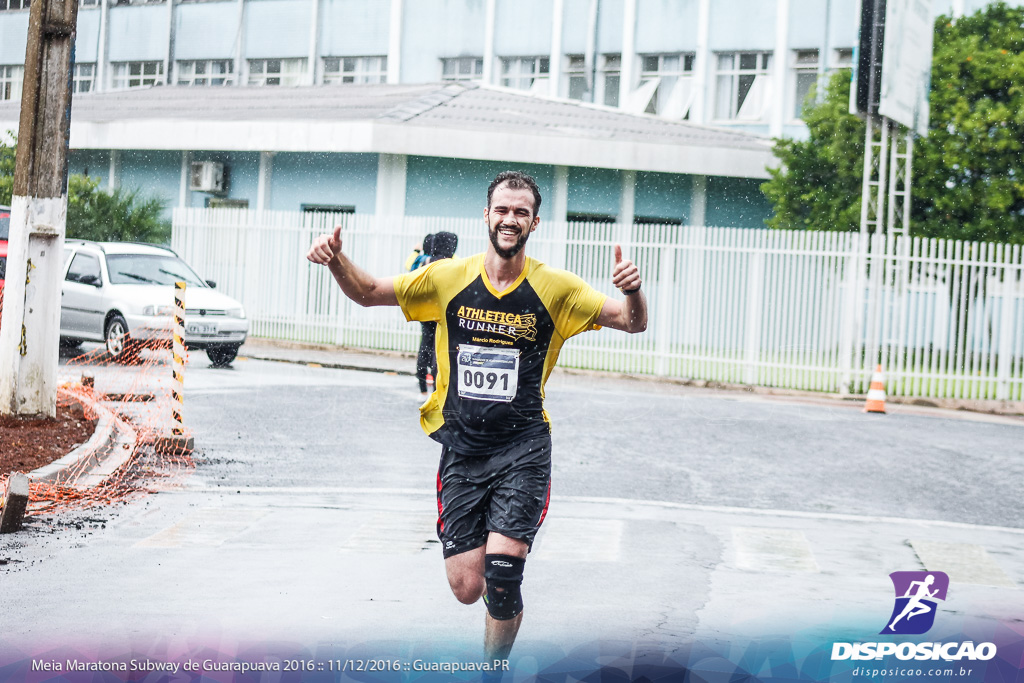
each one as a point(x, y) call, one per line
point(752, 324)
point(664, 323)
point(1009, 291)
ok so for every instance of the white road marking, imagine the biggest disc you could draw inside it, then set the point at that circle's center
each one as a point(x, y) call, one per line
point(394, 533)
point(963, 562)
point(205, 527)
point(565, 539)
point(772, 550)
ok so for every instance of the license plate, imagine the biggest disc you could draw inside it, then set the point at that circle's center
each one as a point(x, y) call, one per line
point(201, 328)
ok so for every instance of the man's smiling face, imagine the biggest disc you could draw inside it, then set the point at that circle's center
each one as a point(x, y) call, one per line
point(510, 220)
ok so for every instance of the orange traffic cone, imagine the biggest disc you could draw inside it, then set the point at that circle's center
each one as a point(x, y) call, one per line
point(876, 393)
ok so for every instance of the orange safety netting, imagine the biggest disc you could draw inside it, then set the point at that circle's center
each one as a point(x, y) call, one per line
point(136, 444)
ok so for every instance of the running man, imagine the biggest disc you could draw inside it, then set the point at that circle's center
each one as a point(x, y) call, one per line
point(914, 606)
point(502, 319)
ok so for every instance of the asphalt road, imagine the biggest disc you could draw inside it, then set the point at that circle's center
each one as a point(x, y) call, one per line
point(678, 516)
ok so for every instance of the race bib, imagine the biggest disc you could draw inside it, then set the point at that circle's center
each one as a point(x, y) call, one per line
point(487, 374)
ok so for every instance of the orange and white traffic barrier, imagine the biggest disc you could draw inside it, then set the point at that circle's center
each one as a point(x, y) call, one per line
point(876, 393)
point(179, 441)
point(178, 352)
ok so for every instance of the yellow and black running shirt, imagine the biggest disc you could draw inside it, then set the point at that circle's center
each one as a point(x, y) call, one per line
point(495, 349)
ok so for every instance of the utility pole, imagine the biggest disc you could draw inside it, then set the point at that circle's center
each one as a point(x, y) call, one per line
point(30, 327)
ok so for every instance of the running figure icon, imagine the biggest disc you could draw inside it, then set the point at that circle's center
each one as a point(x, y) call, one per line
point(915, 606)
point(917, 595)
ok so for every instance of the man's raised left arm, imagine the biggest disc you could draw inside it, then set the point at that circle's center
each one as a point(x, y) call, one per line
point(630, 314)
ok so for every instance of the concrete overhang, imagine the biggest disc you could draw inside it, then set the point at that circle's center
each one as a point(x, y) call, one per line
point(437, 120)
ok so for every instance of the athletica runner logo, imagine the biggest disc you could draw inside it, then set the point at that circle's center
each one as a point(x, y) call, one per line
point(917, 596)
point(512, 325)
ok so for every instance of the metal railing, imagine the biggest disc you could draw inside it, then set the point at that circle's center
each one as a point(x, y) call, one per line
point(793, 309)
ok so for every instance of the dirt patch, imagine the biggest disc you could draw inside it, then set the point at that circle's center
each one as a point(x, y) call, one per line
point(28, 443)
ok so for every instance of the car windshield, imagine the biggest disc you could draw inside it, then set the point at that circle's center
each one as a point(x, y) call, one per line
point(5, 225)
point(150, 269)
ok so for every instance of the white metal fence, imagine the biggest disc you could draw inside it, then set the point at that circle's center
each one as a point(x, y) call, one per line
point(802, 310)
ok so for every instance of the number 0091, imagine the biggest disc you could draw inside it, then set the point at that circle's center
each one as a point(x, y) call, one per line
point(479, 380)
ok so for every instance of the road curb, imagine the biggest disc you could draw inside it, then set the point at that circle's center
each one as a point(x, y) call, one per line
point(112, 444)
point(332, 366)
point(73, 463)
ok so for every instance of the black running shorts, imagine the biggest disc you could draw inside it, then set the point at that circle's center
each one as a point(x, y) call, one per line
point(506, 491)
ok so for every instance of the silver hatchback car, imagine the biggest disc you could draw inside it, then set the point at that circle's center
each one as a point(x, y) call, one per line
point(122, 294)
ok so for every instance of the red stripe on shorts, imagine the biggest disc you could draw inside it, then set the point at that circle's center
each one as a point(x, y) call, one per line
point(440, 508)
point(547, 500)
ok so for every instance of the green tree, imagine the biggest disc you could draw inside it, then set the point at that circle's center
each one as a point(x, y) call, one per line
point(94, 214)
point(818, 184)
point(115, 216)
point(968, 173)
point(6, 172)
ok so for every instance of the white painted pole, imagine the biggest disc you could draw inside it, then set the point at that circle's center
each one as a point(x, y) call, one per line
point(102, 59)
point(263, 183)
point(391, 182)
point(114, 172)
point(313, 58)
point(780, 68)
point(394, 74)
point(490, 17)
point(702, 65)
point(628, 74)
point(555, 72)
point(29, 329)
point(184, 194)
point(627, 208)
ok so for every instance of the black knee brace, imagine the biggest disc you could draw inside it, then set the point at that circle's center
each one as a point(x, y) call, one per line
point(504, 576)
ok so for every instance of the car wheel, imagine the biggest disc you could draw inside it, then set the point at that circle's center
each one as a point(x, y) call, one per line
point(120, 345)
point(221, 356)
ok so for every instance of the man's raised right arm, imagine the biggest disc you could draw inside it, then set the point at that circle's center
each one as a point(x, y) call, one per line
point(356, 283)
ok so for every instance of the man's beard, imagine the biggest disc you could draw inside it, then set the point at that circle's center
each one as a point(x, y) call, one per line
point(511, 251)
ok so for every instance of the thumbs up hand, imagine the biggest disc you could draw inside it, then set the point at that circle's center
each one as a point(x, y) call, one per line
point(325, 247)
point(625, 275)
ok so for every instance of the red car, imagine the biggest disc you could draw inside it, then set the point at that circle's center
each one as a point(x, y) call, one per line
point(5, 227)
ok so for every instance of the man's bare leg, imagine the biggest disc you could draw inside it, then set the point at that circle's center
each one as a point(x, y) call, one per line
point(499, 635)
point(466, 575)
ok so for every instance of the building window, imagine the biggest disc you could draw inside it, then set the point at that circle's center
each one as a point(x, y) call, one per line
point(137, 74)
point(608, 80)
point(806, 71)
point(84, 78)
point(206, 72)
point(355, 69)
point(11, 78)
point(462, 68)
point(674, 92)
point(328, 208)
point(522, 73)
point(576, 76)
point(225, 203)
point(276, 71)
point(577, 217)
point(842, 59)
point(13, 4)
point(88, 3)
point(742, 86)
